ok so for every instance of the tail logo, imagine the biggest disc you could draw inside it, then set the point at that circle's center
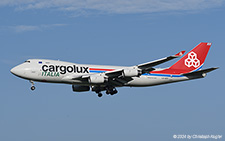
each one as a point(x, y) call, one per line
point(192, 60)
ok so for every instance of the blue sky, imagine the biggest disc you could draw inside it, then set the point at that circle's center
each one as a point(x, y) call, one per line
point(111, 33)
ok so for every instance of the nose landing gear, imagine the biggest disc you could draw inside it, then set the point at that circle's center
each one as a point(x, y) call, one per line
point(32, 87)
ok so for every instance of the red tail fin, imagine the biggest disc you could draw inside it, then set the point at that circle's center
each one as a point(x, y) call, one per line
point(194, 59)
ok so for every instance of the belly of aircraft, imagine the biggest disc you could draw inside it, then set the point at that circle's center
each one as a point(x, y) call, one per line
point(153, 80)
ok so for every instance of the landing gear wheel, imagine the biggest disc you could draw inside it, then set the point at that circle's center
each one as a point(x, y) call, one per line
point(113, 92)
point(99, 94)
point(32, 88)
point(107, 92)
point(116, 91)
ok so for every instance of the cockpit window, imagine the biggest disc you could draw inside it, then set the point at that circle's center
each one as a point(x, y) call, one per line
point(27, 61)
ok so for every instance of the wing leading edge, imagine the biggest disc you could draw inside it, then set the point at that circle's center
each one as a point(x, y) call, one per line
point(149, 65)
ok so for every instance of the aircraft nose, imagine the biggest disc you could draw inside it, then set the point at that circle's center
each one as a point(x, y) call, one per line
point(17, 70)
point(13, 70)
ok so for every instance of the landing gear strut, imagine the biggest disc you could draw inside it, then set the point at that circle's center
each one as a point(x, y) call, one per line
point(32, 87)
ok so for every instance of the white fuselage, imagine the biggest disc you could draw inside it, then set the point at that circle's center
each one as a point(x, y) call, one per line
point(54, 71)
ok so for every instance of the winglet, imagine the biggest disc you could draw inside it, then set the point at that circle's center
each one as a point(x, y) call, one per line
point(179, 54)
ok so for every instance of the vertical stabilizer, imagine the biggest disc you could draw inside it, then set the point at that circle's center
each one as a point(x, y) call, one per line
point(194, 59)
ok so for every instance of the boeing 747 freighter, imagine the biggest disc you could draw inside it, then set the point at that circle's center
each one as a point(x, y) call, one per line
point(100, 78)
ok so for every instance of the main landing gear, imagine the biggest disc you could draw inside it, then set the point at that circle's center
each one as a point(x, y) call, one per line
point(32, 87)
point(98, 91)
point(109, 90)
point(99, 94)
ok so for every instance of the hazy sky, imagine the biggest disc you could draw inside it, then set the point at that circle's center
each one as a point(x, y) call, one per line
point(113, 32)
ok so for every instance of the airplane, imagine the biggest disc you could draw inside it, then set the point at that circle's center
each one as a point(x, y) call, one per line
point(100, 78)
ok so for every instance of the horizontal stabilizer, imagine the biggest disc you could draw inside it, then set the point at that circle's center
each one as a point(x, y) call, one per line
point(200, 72)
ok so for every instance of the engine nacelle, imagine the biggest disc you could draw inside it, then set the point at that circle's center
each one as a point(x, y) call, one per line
point(78, 88)
point(130, 72)
point(96, 79)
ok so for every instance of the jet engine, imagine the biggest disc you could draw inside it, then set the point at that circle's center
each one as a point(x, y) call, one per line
point(96, 79)
point(131, 72)
point(78, 88)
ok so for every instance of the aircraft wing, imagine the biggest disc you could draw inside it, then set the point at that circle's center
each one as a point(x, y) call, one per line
point(145, 67)
point(120, 77)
